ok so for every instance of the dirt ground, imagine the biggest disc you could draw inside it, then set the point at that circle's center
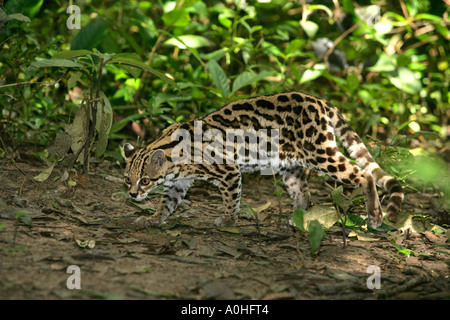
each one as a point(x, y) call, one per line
point(47, 227)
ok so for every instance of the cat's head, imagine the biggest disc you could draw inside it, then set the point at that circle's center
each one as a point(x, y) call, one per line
point(144, 172)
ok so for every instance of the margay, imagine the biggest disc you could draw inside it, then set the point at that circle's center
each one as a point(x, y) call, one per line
point(305, 127)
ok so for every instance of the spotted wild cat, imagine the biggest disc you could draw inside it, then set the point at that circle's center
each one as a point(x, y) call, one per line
point(302, 128)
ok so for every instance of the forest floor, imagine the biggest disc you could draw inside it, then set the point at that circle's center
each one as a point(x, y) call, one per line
point(47, 227)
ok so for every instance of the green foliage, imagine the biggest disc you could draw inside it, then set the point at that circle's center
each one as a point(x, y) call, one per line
point(168, 61)
point(315, 230)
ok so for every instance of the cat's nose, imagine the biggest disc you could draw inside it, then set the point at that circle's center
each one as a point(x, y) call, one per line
point(133, 195)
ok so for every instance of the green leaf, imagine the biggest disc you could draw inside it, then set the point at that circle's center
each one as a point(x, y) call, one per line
point(246, 78)
point(294, 47)
point(72, 54)
point(90, 36)
point(29, 8)
point(315, 235)
point(54, 63)
point(310, 74)
point(406, 81)
point(336, 194)
point(134, 71)
point(298, 219)
point(384, 63)
point(103, 124)
point(24, 216)
point(352, 82)
point(310, 28)
point(177, 18)
point(189, 40)
point(353, 221)
point(219, 77)
point(143, 66)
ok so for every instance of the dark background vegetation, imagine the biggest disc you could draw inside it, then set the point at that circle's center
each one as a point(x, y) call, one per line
point(152, 63)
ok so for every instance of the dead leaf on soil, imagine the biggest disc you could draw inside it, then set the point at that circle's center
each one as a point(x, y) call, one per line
point(364, 236)
point(406, 221)
point(326, 215)
point(44, 174)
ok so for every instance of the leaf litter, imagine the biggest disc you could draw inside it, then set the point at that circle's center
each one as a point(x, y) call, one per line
point(91, 225)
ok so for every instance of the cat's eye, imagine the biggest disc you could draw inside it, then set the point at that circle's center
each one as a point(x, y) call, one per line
point(127, 180)
point(145, 181)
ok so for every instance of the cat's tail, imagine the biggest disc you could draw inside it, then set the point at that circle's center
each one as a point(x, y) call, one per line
point(358, 151)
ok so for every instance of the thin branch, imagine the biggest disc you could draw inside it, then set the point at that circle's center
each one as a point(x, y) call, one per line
point(30, 82)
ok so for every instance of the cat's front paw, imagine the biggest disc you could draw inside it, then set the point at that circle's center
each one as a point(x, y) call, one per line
point(147, 222)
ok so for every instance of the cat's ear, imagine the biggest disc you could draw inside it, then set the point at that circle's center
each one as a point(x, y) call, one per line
point(158, 158)
point(128, 151)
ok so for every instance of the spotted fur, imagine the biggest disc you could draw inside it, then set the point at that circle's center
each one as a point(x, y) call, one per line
point(307, 126)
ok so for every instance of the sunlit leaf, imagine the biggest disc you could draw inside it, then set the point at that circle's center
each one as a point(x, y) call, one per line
point(189, 40)
point(310, 28)
point(219, 77)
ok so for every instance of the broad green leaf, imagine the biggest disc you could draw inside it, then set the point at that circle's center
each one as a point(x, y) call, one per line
point(348, 6)
point(406, 81)
point(74, 77)
point(246, 78)
point(29, 8)
point(310, 74)
point(176, 18)
point(103, 124)
point(384, 63)
point(315, 231)
point(219, 77)
point(143, 66)
point(91, 35)
point(353, 221)
point(383, 27)
point(310, 28)
point(189, 40)
point(294, 47)
point(54, 63)
point(134, 71)
point(337, 196)
point(298, 219)
point(352, 82)
point(72, 54)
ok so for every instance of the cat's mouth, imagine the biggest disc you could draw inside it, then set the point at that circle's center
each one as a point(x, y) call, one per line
point(138, 197)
